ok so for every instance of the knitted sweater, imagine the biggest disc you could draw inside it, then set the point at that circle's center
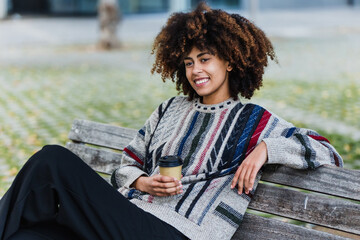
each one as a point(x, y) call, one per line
point(212, 140)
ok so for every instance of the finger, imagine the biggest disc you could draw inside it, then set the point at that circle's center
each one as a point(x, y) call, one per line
point(252, 179)
point(172, 193)
point(162, 186)
point(247, 179)
point(170, 184)
point(162, 192)
point(166, 191)
point(162, 178)
point(236, 177)
point(180, 190)
point(241, 181)
point(174, 190)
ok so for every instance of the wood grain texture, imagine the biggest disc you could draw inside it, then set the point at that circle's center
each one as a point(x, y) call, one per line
point(326, 179)
point(100, 160)
point(260, 228)
point(100, 134)
point(334, 213)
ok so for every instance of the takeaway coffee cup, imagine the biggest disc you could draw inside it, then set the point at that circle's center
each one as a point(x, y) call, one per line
point(171, 166)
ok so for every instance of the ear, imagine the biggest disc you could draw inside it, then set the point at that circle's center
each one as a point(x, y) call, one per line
point(229, 68)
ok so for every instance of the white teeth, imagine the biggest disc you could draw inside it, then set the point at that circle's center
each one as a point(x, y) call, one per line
point(202, 81)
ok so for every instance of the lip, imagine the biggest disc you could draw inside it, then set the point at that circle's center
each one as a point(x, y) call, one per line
point(200, 81)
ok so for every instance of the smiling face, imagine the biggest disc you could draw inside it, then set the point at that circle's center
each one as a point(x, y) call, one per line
point(208, 76)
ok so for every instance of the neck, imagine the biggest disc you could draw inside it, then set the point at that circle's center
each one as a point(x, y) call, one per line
point(216, 100)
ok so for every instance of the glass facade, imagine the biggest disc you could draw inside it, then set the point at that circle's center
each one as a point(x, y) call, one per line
point(89, 7)
point(143, 6)
point(37, 7)
point(223, 4)
point(73, 6)
point(83, 7)
point(69, 7)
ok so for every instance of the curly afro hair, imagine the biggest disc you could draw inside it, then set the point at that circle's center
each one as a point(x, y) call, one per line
point(229, 36)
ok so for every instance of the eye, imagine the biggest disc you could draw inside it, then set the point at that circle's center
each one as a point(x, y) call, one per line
point(188, 64)
point(204, 60)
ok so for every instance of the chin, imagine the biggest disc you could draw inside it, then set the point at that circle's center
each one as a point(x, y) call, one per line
point(201, 94)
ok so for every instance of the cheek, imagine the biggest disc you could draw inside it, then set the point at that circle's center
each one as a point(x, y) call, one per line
point(188, 74)
point(222, 73)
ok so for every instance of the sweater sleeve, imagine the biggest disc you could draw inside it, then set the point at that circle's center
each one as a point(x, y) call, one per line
point(133, 160)
point(298, 147)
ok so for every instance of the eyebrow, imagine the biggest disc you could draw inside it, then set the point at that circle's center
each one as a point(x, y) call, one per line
point(199, 55)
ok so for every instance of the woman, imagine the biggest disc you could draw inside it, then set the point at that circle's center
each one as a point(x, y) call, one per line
point(213, 57)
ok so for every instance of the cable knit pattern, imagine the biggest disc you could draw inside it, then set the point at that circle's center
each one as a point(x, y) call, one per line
point(213, 140)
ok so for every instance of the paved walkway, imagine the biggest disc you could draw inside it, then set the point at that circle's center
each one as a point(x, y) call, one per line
point(143, 28)
point(334, 31)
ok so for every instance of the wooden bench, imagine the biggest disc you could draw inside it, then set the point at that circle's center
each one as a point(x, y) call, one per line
point(327, 198)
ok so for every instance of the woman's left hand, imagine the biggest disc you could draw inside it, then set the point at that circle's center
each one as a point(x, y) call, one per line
point(247, 171)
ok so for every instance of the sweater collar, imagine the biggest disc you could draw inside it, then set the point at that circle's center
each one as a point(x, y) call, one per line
point(210, 108)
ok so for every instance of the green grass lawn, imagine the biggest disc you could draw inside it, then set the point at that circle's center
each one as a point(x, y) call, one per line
point(38, 106)
point(338, 101)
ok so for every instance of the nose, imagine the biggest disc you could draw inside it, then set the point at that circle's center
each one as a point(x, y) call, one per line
point(197, 68)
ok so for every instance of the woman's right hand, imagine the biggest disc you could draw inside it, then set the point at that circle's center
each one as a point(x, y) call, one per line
point(158, 185)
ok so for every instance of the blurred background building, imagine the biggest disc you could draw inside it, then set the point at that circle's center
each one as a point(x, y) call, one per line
point(89, 7)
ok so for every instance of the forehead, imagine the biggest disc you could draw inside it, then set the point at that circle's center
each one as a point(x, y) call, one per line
point(195, 53)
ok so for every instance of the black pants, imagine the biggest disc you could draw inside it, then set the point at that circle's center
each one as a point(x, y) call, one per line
point(57, 196)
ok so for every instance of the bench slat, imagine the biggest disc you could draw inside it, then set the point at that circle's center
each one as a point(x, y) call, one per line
point(100, 160)
point(267, 198)
point(100, 134)
point(325, 179)
point(308, 207)
point(260, 228)
point(312, 208)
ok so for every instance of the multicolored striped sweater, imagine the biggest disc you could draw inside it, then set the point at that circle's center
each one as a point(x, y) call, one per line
point(212, 140)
